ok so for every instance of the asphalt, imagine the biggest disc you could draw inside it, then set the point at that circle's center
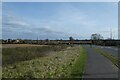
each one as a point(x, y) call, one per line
point(97, 66)
point(111, 50)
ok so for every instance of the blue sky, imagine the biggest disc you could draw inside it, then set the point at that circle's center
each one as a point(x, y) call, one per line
point(29, 20)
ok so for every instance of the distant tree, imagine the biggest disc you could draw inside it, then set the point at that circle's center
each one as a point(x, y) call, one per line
point(96, 37)
point(71, 41)
point(71, 38)
point(46, 39)
point(77, 39)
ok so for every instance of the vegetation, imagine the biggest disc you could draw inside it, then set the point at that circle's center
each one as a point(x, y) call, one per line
point(113, 59)
point(61, 64)
point(13, 55)
point(78, 68)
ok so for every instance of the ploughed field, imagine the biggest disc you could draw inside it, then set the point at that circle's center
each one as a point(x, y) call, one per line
point(40, 61)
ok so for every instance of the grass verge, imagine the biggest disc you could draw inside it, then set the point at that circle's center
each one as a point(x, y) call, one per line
point(78, 68)
point(113, 59)
point(57, 65)
point(15, 55)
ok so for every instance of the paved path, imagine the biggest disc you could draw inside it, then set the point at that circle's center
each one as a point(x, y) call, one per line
point(98, 66)
point(111, 50)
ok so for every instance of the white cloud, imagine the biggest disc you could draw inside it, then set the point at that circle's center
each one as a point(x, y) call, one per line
point(66, 21)
point(60, 0)
point(70, 19)
point(13, 28)
point(18, 23)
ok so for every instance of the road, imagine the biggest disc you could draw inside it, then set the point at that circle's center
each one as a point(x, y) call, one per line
point(98, 66)
point(111, 50)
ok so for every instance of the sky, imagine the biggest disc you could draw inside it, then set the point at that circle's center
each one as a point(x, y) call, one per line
point(59, 20)
point(60, 0)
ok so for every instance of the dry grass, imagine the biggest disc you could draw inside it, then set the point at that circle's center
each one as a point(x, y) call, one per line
point(19, 54)
point(58, 65)
point(0, 45)
point(18, 45)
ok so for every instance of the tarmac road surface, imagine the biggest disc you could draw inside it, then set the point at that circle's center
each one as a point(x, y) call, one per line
point(111, 50)
point(98, 66)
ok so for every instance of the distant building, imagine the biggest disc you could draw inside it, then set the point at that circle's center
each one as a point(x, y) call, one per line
point(16, 41)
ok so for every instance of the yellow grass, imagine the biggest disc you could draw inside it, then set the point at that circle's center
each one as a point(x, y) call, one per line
point(18, 45)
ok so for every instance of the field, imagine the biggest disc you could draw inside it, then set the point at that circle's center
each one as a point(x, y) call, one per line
point(35, 61)
point(18, 45)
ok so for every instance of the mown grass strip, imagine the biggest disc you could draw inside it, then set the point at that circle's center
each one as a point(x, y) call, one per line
point(78, 68)
point(113, 59)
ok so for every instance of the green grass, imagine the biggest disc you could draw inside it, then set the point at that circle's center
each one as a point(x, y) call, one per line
point(14, 55)
point(67, 63)
point(78, 68)
point(113, 59)
point(62, 64)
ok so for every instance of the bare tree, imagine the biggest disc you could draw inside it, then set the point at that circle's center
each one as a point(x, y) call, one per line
point(96, 37)
point(71, 41)
point(71, 38)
